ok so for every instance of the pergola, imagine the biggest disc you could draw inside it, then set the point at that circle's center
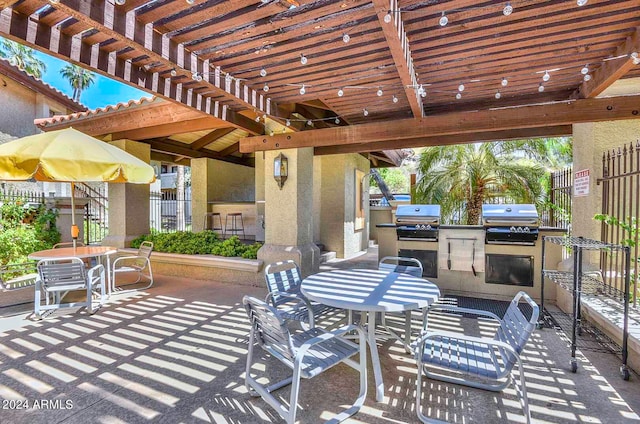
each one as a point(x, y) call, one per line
point(353, 75)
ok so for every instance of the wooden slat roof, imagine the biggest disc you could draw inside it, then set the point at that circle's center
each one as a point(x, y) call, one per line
point(394, 47)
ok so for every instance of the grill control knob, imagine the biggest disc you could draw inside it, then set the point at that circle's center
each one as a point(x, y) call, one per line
point(512, 229)
point(526, 230)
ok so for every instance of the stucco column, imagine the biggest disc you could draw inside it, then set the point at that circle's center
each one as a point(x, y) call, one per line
point(128, 203)
point(202, 170)
point(289, 212)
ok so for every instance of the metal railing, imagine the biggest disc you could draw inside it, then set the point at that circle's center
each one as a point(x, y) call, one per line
point(170, 211)
point(558, 211)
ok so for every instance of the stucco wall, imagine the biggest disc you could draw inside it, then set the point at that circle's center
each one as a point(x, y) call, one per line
point(590, 140)
point(18, 106)
point(338, 202)
point(317, 196)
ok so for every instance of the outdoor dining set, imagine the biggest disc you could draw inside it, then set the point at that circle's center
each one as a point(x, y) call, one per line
point(287, 325)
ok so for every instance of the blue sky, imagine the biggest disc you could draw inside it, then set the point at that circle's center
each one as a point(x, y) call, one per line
point(103, 92)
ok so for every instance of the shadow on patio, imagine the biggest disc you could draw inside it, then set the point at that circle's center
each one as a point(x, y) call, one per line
point(176, 353)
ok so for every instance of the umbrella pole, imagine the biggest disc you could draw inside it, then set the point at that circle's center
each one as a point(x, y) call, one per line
point(74, 228)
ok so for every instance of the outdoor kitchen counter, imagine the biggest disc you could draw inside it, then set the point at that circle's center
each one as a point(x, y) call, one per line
point(467, 242)
point(248, 210)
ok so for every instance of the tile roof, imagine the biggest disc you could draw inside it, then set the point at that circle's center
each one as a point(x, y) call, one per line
point(98, 112)
point(36, 84)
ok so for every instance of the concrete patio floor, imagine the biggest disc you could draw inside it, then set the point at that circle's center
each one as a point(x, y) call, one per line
point(176, 354)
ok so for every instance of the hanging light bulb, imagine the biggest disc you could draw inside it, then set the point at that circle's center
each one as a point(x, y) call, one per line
point(461, 88)
point(55, 1)
point(303, 59)
point(346, 38)
point(258, 118)
point(424, 93)
point(508, 9)
point(228, 77)
point(309, 123)
point(458, 96)
point(365, 112)
point(504, 82)
point(394, 99)
point(173, 72)
point(546, 77)
point(190, 1)
point(194, 76)
point(387, 17)
point(199, 77)
point(585, 70)
point(340, 93)
point(582, 2)
point(120, 2)
point(540, 88)
point(587, 77)
point(284, 130)
point(337, 121)
point(498, 95)
point(302, 90)
point(265, 88)
point(421, 90)
point(271, 133)
point(635, 58)
point(379, 92)
point(288, 123)
point(263, 72)
point(443, 20)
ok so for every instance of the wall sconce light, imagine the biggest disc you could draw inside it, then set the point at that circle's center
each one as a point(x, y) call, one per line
point(280, 169)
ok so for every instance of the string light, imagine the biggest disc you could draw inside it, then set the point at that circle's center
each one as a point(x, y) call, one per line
point(379, 92)
point(498, 95)
point(340, 93)
point(365, 112)
point(581, 2)
point(303, 59)
point(443, 20)
point(190, 1)
point(461, 88)
point(387, 17)
point(546, 77)
point(120, 2)
point(395, 99)
point(337, 121)
point(458, 96)
point(271, 133)
point(346, 38)
point(540, 88)
point(265, 88)
point(587, 77)
point(258, 118)
point(636, 58)
point(508, 9)
point(585, 70)
point(309, 123)
point(174, 72)
point(504, 82)
point(288, 123)
point(263, 72)
point(302, 90)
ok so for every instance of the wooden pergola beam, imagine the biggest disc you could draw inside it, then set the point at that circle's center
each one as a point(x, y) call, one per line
point(7, 3)
point(554, 114)
point(209, 138)
point(230, 150)
point(398, 42)
point(177, 148)
point(51, 40)
point(611, 70)
point(556, 131)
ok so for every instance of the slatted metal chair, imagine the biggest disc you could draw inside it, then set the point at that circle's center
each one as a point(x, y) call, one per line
point(138, 263)
point(405, 265)
point(283, 282)
point(17, 277)
point(61, 275)
point(479, 362)
point(307, 354)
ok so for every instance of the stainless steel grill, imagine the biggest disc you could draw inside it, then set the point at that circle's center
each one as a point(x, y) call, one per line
point(510, 224)
point(418, 222)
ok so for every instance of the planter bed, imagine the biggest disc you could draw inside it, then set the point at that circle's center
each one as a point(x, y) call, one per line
point(207, 267)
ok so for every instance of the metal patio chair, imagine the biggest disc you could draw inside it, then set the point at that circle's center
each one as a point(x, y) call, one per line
point(480, 362)
point(283, 282)
point(138, 263)
point(405, 265)
point(58, 276)
point(307, 354)
point(17, 277)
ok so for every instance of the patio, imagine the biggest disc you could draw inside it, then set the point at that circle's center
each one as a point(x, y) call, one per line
point(176, 353)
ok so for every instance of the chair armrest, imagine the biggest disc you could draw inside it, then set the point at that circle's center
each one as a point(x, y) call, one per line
point(461, 310)
point(123, 258)
point(293, 296)
point(96, 269)
point(456, 336)
point(330, 335)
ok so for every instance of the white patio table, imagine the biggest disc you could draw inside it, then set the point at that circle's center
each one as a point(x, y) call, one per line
point(81, 252)
point(370, 291)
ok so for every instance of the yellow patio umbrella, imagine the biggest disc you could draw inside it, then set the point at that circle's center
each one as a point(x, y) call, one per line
point(70, 156)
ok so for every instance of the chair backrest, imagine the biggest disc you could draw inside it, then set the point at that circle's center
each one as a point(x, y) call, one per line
point(515, 329)
point(269, 328)
point(145, 249)
point(62, 272)
point(68, 244)
point(410, 266)
point(282, 277)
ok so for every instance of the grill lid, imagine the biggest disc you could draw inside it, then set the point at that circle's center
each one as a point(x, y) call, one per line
point(510, 214)
point(418, 213)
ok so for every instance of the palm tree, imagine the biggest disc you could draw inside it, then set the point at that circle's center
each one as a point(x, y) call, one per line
point(23, 57)
point(461, 178)
point(79, 78)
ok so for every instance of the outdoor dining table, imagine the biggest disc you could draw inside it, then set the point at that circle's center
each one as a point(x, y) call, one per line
point(370, 291)
point(81, 252)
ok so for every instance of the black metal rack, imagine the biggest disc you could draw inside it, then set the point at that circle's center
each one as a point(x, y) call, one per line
point(581, 283)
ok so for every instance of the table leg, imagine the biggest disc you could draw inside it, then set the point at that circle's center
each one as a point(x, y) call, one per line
point(375, 359)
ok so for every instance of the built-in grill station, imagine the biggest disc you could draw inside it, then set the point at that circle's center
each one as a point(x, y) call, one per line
point(510, 224)
point(418, 222)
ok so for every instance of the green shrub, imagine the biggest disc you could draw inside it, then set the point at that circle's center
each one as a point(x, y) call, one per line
point(205, 242)
point(18, 238)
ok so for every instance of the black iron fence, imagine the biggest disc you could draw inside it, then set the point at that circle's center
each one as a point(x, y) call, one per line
point(28, 196)
point(96, 217)
point(558, 210)
point(170, 211)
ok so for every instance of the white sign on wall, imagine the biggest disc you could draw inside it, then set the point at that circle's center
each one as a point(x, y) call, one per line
point(581, 183)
